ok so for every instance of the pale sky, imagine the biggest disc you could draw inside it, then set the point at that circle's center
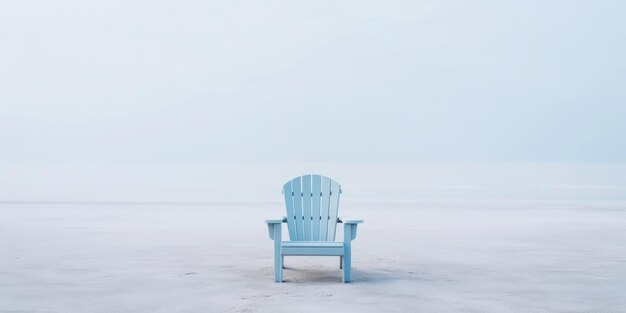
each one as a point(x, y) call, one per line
point(318, 81)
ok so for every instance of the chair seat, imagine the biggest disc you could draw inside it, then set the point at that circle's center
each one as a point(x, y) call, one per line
point(311, 248)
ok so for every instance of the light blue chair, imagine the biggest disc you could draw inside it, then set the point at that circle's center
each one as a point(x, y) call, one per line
point(312, 203)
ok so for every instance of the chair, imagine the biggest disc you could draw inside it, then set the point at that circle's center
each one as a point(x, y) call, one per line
point(312, 203)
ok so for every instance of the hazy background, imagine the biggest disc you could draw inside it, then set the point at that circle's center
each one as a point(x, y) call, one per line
point(111, 98)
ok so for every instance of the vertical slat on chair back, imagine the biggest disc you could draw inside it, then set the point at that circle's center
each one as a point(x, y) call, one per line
point(312, 203)
point(291, 213)
point(316, 188)
point(307, 194)
point(296, 185)
point(335, 190)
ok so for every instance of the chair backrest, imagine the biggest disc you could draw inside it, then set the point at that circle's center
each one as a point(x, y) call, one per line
point(312, 203)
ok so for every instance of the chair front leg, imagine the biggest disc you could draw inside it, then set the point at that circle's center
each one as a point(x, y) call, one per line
point(347, 252)
point(278, 259)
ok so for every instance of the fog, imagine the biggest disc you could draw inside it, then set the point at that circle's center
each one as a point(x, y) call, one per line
point(313, 81)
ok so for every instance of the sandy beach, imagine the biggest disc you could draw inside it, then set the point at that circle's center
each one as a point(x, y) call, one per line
point(437, 256)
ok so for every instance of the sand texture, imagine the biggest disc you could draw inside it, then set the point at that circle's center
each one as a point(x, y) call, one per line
point(441, 256)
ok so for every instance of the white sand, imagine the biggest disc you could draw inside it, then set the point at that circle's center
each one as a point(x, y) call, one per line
point(442, 256)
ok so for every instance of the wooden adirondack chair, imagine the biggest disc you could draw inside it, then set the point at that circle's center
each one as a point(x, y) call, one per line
point(312, 203)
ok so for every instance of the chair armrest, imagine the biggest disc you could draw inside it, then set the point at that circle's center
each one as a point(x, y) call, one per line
point(349, 220)
point(276, 221)
point(275, 224)
point(349, 228)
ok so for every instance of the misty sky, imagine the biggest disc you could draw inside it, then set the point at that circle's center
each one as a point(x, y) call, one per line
point(323, 81)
